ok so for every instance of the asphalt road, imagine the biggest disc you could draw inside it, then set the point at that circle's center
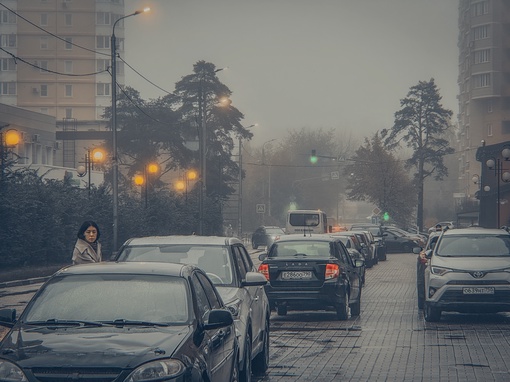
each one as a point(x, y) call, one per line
point(389, 341)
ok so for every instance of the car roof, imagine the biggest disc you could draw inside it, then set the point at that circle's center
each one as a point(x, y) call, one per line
point(139, 268)
point(183, 239)
point(475, 231)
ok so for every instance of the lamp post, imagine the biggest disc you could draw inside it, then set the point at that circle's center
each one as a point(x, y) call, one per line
point(269, 176)
point(140, 180)
point(96, 156)
point(501, 175)
point(115, 162)
point(240, 199)
point(8, 139)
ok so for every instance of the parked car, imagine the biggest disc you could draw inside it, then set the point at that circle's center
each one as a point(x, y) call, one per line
point(312, 273)
point(350, 245)
point(367, 247)
point(398, 240)
point(421, 264)
point(468, 272)
point(122, 322)
point(228, 264)
point(265, 236)
point(377, 232)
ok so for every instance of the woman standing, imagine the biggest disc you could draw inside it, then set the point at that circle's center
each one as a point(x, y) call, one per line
point(87, 248)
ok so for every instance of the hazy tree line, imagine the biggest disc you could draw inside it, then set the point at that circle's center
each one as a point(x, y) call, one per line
point(39, 219)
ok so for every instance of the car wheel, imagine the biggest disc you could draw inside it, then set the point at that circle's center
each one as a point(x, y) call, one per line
point(342, 310)
point(407, 248)
point(281, 310)
point(254, 245)
point(356, 307)
point(245, 371)
point(432, 314)
point(261, 361)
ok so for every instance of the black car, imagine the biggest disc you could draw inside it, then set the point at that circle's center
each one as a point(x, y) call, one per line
point(312, 273)
point(398, 240)
point(264, 236)
point(355, 254)
point(379, 237)
point(129, 322)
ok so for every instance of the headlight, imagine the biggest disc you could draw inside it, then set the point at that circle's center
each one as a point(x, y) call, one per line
point(9, 372)
point(435, 270)
point(234, 307)
point(157, 370)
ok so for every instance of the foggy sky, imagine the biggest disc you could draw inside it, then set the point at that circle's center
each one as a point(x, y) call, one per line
point(342, 64)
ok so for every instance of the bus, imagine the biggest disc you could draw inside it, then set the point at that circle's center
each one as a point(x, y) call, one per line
point(306, 221)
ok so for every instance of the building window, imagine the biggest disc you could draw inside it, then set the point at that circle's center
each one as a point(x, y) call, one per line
point(43, 42)
point(102, 65)
point(69, 90)
point(69, 112)
point(43, 66)
point(43, 90)
point(69, 19)
point(7, 17)
point(102, 89)
point(482, 80)
point(480, 8)
point(8, 64)
point(8, 40)
point(103, 42)
point(103, 18)
point(482, 56)
point(481, 32)
point(44, 19)
point(68, 67)
point(489, 129)
point(8, 88)
point(69, 43)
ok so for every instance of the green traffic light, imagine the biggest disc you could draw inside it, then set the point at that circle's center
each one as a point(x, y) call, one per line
point(386, 217)
point(313, 157)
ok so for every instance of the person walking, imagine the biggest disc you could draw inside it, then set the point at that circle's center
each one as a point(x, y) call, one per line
point(87, 248)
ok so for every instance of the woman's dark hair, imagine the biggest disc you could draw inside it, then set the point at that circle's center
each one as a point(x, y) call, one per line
point(83, 228)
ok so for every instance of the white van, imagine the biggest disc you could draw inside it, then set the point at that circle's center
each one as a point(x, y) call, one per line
point(306, 221)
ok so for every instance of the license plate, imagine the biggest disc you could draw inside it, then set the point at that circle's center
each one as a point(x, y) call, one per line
point(296, 275)
point(478, 290)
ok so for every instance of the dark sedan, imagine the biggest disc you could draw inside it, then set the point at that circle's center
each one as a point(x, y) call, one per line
point(129, 322)
point(265, 236)
point(312, 273)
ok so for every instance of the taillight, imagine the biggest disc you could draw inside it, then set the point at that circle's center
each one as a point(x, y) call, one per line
point(264, 269)
point(332, 271)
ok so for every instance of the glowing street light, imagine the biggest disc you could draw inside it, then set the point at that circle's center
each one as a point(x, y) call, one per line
point(95, 156)
point(9, 139)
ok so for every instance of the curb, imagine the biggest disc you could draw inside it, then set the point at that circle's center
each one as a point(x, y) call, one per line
point(14, 283)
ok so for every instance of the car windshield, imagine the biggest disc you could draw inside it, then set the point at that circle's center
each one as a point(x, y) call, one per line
point(474, 246)
point(211, 259)
point(301, 248)
point(112, 297)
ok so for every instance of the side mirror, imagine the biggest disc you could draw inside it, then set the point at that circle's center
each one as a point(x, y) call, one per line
point(359, 263)
point(417, 250)
point(254, 279)
point(7, 317)
point(428, 253)
point(219, 318)
point(262, 256)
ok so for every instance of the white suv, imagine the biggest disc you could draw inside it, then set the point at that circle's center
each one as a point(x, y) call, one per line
point(469, 271)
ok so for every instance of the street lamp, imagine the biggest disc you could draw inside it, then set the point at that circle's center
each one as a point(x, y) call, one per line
point(8, 139)
point(501, 174)
point(203, 148)
point(91, 157)
point(182, 185)
point(115, 162)
point(140, 180)
point(269, 176)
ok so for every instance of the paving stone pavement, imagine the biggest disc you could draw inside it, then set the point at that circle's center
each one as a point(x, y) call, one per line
point(389, 341)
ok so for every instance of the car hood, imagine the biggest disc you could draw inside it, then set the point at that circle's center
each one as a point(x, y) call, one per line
point(123, 347)
point(471, 263)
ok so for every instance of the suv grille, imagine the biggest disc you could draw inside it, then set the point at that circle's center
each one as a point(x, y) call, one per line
point(57, 374)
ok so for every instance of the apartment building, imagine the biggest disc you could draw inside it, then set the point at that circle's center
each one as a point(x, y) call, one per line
point(55, 60)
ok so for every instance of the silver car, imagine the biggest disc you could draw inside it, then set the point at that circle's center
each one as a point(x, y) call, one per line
point(468, 271)
point(229, 266)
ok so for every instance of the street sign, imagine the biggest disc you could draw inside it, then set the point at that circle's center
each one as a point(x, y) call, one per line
point(376, 211)
point(261, 208)
point(335, 175)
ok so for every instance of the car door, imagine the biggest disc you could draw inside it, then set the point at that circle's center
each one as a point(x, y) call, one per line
point(257, 296)
point(350, 270)
point(218, 345)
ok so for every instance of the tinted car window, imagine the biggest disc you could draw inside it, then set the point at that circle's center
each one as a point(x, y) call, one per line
point(240, 265)
point(308, 248)
point(201, 296)
point(474, 245)
point(214, 300)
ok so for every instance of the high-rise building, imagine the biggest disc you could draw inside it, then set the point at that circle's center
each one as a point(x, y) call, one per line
point(55, 59)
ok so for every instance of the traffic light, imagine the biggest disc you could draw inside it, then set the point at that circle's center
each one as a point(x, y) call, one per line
point(313, 157)
point(386, 217)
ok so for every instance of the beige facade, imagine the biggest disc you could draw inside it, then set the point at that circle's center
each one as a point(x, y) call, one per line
point(484, 83)
point(63, 54)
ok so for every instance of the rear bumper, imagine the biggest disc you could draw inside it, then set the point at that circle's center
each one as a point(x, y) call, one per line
point(329, 295)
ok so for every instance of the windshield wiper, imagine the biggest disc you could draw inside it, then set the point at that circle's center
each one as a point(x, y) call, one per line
point(57, 322)
point(122, 322)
